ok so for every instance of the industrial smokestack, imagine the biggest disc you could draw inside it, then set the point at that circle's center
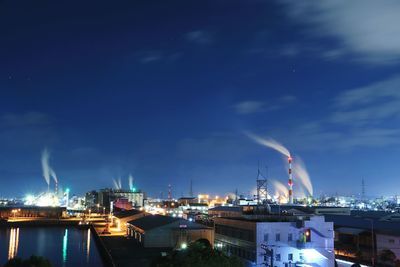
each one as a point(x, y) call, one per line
point(290, 183)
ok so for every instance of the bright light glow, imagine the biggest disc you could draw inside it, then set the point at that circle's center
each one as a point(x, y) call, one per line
point(65, 246)
point(29, 199)
point(133, 189)
point(190, 220)
point(183, 246)
point(349, 262)
point(312, 255)
point(67, 190)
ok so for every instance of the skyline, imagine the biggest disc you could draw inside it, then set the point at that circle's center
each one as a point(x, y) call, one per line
point(167, 92)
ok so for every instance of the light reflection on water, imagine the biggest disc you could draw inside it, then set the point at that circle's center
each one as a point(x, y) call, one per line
point(66, 247)
point(13, 243)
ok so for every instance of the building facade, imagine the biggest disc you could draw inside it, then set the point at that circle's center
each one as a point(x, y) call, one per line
point(277, 240)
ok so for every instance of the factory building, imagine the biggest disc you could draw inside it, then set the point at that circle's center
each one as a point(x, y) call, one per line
point(105, 197)
point(163, 231)
point(277, 240)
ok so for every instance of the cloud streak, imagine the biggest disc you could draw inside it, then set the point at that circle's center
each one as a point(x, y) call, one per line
point(368, 29)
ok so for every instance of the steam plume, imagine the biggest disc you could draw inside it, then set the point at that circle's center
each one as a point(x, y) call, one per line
point(130, 180)
point(115, 184)
point(302, 175)
point(45, 165)
point(53, 174)
point(271, 143)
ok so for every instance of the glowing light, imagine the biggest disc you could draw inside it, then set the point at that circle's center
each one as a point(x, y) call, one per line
point(348, 262)
point(65, 246)
point(13, 243)
point(88, 246)
point(67, 190)
point(312, 255)
point(133, 189)
point(183, 246)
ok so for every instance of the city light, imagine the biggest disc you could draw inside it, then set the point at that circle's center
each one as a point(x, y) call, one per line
point(183, 246)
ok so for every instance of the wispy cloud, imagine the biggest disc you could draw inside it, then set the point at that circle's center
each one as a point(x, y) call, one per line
point(32, 118)
point(367, 29)
point(146, 57)
point(249, 107)
point(253, 106)
point(369, 104)
point(199, 37)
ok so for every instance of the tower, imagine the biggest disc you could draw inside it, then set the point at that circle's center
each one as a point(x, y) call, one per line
point(169, 192)
point(262, 192)
point(290, 183)
point(362, 190)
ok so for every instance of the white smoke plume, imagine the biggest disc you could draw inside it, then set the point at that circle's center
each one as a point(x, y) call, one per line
point(45, 165)
point(116, 185)
point(299, 169)
point(301, 174)
point(130, 180)
point(53, 174)
point(119, 183)
point(271, 143)
point(280, 191)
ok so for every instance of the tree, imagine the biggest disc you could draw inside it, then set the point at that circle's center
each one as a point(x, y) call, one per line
point(33, 261)
point(198, 254)
point(387, 256)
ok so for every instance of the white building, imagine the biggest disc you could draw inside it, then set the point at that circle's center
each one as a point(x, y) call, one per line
point(290, 240)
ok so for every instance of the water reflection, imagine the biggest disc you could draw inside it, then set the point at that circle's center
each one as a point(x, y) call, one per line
point(13, 243)
point(88, 245)
point(65, 246)
point(62, 246)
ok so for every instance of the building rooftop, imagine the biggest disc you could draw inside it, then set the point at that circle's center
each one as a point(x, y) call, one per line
point(227, 208)
point(127, 213)
point(155, 221)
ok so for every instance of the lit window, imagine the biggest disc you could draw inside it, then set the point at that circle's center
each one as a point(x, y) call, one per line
point(301, 256)
point(265, 237)
point(278, 237)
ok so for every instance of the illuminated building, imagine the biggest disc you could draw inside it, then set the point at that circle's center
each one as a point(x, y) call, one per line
point(280, 240)
point(106, 196)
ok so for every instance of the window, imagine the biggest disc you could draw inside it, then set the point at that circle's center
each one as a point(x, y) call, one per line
point(265, 237)
point(290, 237)
point(278, 237)
point(278, 257)
point(391, 241)
point(290, 257)
point(301, 256)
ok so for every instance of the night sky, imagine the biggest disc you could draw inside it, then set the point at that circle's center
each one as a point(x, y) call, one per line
point(166, 90)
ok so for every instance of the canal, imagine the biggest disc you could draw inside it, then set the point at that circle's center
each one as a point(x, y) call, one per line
point(63, 246)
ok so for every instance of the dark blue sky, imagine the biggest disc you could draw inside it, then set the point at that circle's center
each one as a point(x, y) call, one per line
point(166, 89)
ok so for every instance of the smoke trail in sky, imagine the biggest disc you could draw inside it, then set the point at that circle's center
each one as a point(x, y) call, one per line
point(45, 165)
point(115, 184)
point(130, 180)
point(119, 183)
point(280, 191)
point(271, 143)
point(299, 170)
point(53, 174)
point(301, 174)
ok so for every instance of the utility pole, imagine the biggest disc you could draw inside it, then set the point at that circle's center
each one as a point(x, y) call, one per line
point(268, 252)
